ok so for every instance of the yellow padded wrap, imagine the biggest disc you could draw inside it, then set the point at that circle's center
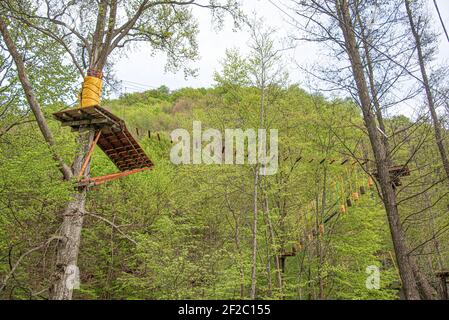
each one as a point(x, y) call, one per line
point(91, 92)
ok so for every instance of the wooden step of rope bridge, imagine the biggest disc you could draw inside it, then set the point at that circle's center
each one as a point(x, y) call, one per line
point(319, 230)
point(112, 136)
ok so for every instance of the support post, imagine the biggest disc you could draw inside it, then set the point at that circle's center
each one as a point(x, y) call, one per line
point(103, 179)
point(89, 155)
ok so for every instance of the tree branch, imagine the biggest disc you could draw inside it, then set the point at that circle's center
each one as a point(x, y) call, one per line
point(32, 100)
point(14, 268)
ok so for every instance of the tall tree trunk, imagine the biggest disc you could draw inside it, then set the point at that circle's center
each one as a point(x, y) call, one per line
point(73, 216)
point(318, 221)
point(383, 162)
point(238, 247)
point(254, 231)
point(372, 83)
point(429, 95)
point(426, 291)
point(72, 224)
point(268, 263)
point(272, 241)
point(423, 284)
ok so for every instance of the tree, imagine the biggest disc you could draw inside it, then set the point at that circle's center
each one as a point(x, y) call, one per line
point(419, 30)
point(265, 71)
point(326, 17)
point(31, 97)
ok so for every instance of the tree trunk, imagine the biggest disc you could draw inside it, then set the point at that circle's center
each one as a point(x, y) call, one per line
point(272, 242)
point(73, 216)
point(429, 95)
point(72, 224)
point(380, 154)
point(254, 231)
point(426, 291)
point(424, 287)
point(318, 221)
point(238, 246)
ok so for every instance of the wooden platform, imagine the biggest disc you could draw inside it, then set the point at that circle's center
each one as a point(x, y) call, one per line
point(442, 273)
point(115, 140)
point(85, 117)
point(396, 172)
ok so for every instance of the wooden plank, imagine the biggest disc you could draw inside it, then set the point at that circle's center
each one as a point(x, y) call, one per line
point(105, 113)
point(115, 149)
point(66, 116)
point(115, 141)
point(117, 159)
point(128, 151)
point(129, 162)
point(90, 113)
point(79, 123)
point(124, 150)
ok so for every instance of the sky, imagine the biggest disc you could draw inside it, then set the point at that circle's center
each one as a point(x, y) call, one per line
point(138, 71)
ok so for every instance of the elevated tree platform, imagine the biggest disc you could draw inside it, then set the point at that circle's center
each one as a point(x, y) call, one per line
point(79, 118)
point(396, 172)
point(112, 136)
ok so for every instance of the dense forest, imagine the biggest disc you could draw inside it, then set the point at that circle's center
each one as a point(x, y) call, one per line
point(357, 208)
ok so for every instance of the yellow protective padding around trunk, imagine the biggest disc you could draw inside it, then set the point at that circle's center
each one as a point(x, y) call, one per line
point(91, 92)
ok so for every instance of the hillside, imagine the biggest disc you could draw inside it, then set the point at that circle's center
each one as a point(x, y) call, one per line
point(312, 165)
point(184, 232)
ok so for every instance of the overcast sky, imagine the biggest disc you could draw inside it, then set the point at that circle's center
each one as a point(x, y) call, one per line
point(139, 71)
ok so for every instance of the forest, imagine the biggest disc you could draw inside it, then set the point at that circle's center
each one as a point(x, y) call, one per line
point(357, 208)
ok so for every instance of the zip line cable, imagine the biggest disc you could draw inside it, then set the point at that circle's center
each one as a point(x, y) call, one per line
point(137, 84)
point(441, 19)
point(283, 11)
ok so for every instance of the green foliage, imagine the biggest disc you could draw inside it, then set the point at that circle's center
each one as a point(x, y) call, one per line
point(187, 232)
point(184, 232)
